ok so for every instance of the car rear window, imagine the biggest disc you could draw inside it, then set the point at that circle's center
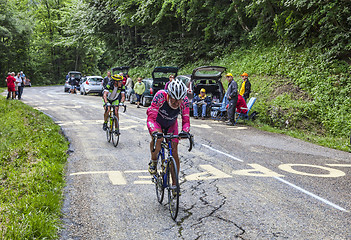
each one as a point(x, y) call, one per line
point(162, 74)
point(209, 73)
point(95, 79)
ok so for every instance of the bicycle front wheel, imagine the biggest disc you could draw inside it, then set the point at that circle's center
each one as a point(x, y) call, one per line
point(159, 180)
point(108, 130)
point(115, 131)
point(173, 188)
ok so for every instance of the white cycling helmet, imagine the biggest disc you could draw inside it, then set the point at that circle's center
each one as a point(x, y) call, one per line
point(177, 89)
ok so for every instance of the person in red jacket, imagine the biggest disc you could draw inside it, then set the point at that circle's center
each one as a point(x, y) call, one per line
point(11, 85)
point(241, 106)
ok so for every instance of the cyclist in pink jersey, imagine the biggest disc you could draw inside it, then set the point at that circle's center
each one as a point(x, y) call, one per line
point(162, 115)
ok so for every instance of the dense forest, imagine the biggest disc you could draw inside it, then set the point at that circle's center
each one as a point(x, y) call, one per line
point(47, 38)
point(305, 41)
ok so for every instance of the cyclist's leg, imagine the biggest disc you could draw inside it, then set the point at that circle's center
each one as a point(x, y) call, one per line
point(174, 129)
point(154, 154)
point(106, 113)
point(116, 103)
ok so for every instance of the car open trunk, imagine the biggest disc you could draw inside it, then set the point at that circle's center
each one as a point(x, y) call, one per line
point(208, 78)
point(117, 70)
point(160, 76)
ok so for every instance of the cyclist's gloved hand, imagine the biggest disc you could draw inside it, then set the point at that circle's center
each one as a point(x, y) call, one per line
point(108, 104)
point(121, 104)
point(183, 134)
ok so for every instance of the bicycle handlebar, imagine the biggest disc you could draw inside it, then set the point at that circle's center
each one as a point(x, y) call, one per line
point(113, 106)
point(170, 136)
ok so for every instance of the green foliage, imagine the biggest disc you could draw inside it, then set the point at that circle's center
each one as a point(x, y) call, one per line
point(32, 158)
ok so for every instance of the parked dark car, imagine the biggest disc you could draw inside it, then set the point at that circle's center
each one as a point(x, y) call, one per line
point(160, 76)
point(209, 78)
point(187, 81)
point(146, 97)
point(77, 76)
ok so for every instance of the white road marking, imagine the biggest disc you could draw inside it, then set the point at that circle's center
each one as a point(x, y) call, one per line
point(288, 183)
point(226, 154)
point(210, 173)
point(143, 182)
point(339, 165)
point(257, 171)
point(311, 194)
point(331, 171)
point(117, 178)
point(201, 126)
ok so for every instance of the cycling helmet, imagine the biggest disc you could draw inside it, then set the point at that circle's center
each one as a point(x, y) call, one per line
point(177, 89)
point(117, 77)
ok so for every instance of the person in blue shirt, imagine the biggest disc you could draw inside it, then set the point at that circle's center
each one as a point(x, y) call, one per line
point(201, 100)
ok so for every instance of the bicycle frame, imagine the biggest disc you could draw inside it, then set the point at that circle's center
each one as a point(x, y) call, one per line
point(164, 160)
point(168, 170)
point(112, 130)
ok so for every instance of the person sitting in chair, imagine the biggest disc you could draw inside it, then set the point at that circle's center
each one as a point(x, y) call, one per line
point(241, 106)
point(202, 101)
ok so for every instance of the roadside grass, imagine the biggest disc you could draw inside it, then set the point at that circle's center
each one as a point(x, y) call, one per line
point(32, 159)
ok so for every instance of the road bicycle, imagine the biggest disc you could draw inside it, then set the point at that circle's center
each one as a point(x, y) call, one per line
point(166, 176)
point(112, 131)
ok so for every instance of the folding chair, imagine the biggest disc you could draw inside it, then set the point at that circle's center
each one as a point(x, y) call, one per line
point(245, 116)
point(219, 110)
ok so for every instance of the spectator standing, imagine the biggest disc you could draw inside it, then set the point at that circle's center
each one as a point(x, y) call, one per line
point(245, 88)
point(232, 94)
point(171, 78)
point(73, 83)
point(20, 81)
point(202, 101)
point(139, 89)
point(129, 85)
point(17, 77)
point(11, 85)
point(106, 79)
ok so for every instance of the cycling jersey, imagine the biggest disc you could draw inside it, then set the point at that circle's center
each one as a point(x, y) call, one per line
point(160, 114)
point(114, 93)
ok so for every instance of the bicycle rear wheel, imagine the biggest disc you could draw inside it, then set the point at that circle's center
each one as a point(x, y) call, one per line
point(108, 130)
point(173, 188)
point(115, 131)
point(160, 191)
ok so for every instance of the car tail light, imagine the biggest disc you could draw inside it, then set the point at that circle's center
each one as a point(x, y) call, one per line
point(151, 91)
point(87, 82)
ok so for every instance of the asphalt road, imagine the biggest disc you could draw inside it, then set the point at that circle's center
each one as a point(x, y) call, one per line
point(238, 182)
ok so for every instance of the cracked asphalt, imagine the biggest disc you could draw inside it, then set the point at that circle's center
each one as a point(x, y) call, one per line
point(237, 183)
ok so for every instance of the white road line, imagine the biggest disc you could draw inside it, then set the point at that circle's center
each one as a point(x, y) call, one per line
point(311, 194)
point(286, 182)
point(226, 154)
